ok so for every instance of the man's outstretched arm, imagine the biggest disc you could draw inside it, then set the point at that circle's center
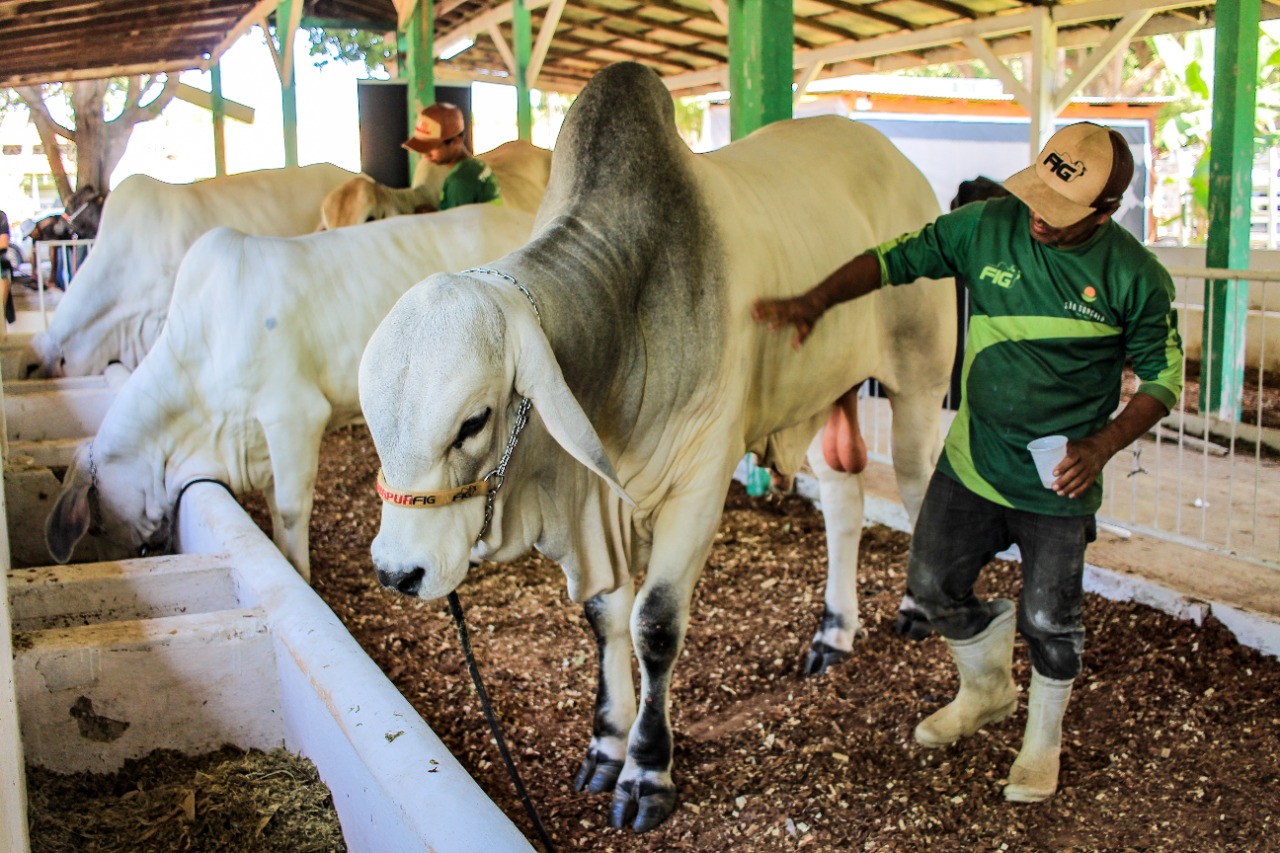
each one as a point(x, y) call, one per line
point(858, 277)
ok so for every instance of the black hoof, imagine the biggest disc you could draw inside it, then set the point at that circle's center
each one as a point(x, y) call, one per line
point(912, 624)
point(643, 806)
point(822, 657)
point(597, 774)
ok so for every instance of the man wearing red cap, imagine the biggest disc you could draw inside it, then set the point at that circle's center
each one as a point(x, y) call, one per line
point(1060, 296)
point(438, 135)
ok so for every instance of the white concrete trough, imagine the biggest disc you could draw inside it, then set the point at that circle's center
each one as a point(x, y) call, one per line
point(225, 643)
point(45, 420)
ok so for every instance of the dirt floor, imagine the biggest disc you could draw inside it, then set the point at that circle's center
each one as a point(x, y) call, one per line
point(1172, 740)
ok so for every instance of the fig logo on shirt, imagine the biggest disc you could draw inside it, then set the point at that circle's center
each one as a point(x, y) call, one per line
point(1001, 274)
point(1089, 293)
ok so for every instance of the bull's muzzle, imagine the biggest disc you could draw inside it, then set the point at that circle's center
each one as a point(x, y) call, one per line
point(408, 581)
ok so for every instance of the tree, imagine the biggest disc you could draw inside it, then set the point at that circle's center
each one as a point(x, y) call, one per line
point(100, 141)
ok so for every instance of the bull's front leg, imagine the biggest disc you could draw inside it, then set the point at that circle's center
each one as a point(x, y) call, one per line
point(609, 616)
point(841, 494)
point(294, 447)
point(646, 794)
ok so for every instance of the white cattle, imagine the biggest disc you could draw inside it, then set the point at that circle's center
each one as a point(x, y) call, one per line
point(522, 170)
point(116, 306)
point(258, 360)
point(626, 321)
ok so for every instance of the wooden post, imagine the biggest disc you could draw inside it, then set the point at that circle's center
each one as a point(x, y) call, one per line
point(417, 41)
point(522, 36)
point(288, 13)
point(219, 111)
point(761, 46)
point(1230, 189)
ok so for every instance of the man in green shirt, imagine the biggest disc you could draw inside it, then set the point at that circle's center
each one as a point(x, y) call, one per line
point(1060, 295)
point(438, 135)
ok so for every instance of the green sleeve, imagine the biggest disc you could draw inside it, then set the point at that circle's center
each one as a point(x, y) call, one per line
point(1151, 334)
point(935, 251)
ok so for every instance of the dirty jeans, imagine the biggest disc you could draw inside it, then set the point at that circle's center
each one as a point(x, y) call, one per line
point(958, 533)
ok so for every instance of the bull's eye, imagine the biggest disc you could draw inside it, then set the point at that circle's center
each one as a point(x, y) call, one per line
point(470, 427)
point(370, 219)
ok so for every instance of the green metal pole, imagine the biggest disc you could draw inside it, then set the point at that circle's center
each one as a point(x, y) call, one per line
point(1230, 189)
point(522, 35)
point(419, 66)
point(219, 110)
point(761, 36)
point(288, 82)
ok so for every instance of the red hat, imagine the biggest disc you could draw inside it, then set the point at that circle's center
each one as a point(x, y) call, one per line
point(436, 125)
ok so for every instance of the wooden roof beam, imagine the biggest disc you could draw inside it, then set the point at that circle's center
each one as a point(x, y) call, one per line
point(869, 14)
point(676, 29)
point(649, 31)
point(147, 15)
point(614, 47)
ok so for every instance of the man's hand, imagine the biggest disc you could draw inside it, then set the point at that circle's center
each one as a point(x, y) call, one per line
point(799, 311)
point(1085, 459)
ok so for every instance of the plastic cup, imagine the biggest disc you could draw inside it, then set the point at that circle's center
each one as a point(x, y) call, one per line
point(1047, 453)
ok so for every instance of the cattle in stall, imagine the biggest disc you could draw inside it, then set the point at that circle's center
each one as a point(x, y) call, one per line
point(118, 306)
point(522, 170)
point(259, 358)
point(626, 324)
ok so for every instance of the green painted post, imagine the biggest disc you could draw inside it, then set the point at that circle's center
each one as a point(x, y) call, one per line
point(288, 81)
point(219, 110)
point(522, 36)
point(1230, 190)
point(419, 67)
point(761, 36)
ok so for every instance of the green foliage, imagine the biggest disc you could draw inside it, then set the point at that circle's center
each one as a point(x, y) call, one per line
point(354, 46)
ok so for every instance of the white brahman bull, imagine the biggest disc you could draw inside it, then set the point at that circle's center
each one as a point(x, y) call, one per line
point(117, 306)
point(626, 321)
point(258, 360)
point(522, 170)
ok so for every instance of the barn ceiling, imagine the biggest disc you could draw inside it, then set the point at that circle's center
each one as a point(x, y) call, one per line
point(683, 40)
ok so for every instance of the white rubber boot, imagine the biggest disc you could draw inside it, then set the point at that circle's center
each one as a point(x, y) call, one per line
point(1034, 775)
point(987, 693)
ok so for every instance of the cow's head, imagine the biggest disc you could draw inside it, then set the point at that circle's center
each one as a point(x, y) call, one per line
point(355, 202)
point(118, 499)
point(441, 382)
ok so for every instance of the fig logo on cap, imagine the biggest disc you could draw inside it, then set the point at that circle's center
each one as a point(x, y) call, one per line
point(1061, 168)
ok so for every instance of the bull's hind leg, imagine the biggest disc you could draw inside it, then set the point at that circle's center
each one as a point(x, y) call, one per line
point(646, 794)
point(609, 616)
point(917, 441)
point(842, 512)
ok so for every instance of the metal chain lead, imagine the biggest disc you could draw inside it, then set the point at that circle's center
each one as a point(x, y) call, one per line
point(498, 475)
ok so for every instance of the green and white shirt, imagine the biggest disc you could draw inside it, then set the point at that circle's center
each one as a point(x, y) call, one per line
point(1049, 333)
point(470, 182)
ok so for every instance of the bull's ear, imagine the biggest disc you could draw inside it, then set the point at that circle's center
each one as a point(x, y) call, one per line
point(68, 522)
point(539, 378)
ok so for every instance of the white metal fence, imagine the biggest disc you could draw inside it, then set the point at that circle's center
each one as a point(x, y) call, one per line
point(68, 254)
point(1194, 479)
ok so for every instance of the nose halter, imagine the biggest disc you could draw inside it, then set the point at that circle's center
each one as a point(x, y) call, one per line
point(491, 482)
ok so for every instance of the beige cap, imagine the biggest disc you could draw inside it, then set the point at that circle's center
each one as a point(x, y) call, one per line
point(436, 125)
point(1083, 169)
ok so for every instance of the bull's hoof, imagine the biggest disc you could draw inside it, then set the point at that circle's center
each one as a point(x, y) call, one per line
point(822, 657)
point(598, 773)
point(912, 624)
point(643, 805)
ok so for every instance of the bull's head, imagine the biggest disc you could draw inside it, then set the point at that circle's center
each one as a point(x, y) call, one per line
point(441, 383)
point(354, 202)
point(119, 500)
